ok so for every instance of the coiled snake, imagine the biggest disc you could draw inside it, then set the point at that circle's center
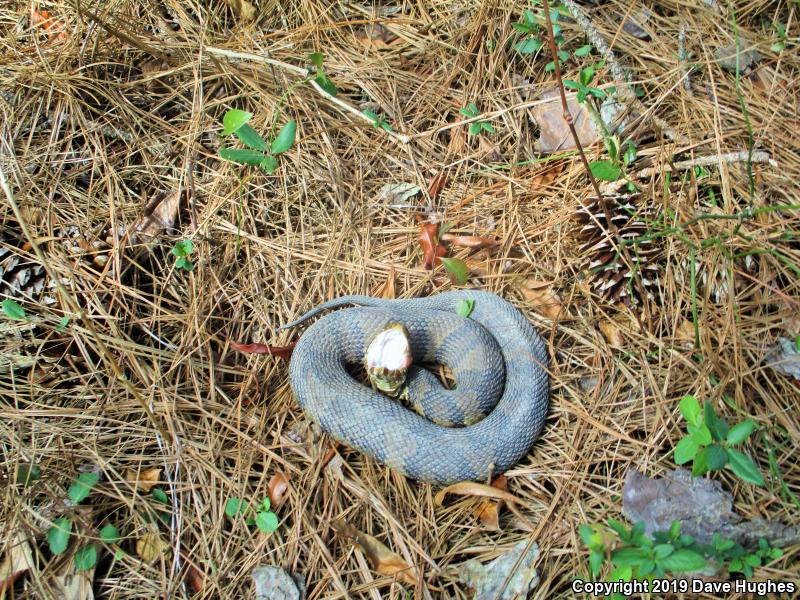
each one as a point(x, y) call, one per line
point(507, 355)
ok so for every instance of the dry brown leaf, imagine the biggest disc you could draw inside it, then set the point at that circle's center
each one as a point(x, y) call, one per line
point(17, 562)
point(375, 36)
point(195, 578)
point(472, 488)
point(488, 511)
point(243, 9)
point(545, 178)
point(431, 247)
point(383, 560)
point(612, 333)
point(144, 480)
point(387, 289)
point(56, 30)
point(555, 134)
point(542, 298)
point(159, 216)
point(75, 586)
point(436, 185)
point(684, 333)
point(277, 487)
point(150, 546)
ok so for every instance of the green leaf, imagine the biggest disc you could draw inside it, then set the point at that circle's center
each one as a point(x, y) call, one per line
point(285, 139)
point(474, 108)
point(620, 529)
point(236, 506)
point(58, 535)
point(583, 50)
point(739, 433)
point(13, 310)
point(27, 473)
point(777, 46)
point(457, 268)
point(630, 153)
point(110, 534)
point(467, 112)
point(647, 567)
point(690, 409)
point(612, 146)
point(184, 263)
point(267, 522)
point(712, 421)
point(675, 529)
point(523, 28)
point(596, 560)
point(685, 450)
point(744, 468)
point(700, 464)
point(586, 75)
point(326, 84)
point(62, 324)
point(233, 120)
point(82, 486)
point(663, 550)
point(551, 66)
point(119, 554)
point(716, 457)
point(488, 127)
point(582, 94)
point(571, 84)
point(797, 343)
point(85, 558)
point(700, 434)
point(464, 308)
point(528, 46)
point(629, 556)
point(605, 170)
point(597, 93)
point(621, 574)
point(563, 56)
point(269, 164)
point(242, 155)
point(159, 495)
point(265, 504)
point(183, 248)
point(585, 531)
point(475, 128)
point(316, 59)
point(683, 560)
point(250, 137)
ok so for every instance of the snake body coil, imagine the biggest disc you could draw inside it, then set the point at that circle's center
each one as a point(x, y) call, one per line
point(398, 437)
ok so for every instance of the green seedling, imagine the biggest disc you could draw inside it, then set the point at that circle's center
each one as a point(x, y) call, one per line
point(378, 121)
point(258, 152)
point(261, 516)
point(13, 310)
point(710, 442)
point(471, 111)
point(181, 251)
point(321, 78)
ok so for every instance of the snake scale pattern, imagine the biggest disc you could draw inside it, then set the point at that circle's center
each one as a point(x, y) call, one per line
point(510, 357)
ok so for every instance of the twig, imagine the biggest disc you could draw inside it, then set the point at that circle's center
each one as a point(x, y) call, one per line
point(703, 161)
point(305, 73)
point(683, 57)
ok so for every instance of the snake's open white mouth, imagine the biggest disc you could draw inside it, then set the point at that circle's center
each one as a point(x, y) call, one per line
point(390, 349)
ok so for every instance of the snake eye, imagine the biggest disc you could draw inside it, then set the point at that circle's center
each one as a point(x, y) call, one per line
point(388, 358)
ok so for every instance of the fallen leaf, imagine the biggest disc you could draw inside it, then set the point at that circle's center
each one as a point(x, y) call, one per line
point(436, 185)
point(329, 454)
point(150, 546)
point(383, 560)
point(283, 352)
point(277, 487)
point(74, 586)
point(159, 216)
point(701, 505)
point(472, 488)
point(685, 332)
point(555, 135)
point(488, 511)
point(431, 247)
point(396, 194)
point(784, 357)
point(546, 177)
point(144, 480)
point(55, 29)
point(195, 578)
point(542, 298)
point(386, 290)
point(510, 576)
point(17, 562)
point(612, 333)
point(375, 36)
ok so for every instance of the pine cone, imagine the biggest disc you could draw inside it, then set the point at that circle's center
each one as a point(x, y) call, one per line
point(20, 277)
point(611, 277)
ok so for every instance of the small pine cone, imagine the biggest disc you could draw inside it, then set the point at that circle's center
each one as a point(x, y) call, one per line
point(20, 277)
point(611, 277)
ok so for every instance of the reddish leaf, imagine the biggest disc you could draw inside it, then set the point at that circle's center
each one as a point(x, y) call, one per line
point(431, 246)
point(469, 241)
point(277, 488)
point(55, 29)
point(195, 578)
point(284, 352)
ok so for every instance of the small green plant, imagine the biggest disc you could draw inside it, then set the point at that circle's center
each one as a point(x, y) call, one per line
point(378, 121)
point(584, 84)
point(780, 31)
point(471, 111)
point(261, 516)
point(321, 77)
point(744, 562)
point(258, 152)
point(710, 442)
point(181, 251)
point(531, 26)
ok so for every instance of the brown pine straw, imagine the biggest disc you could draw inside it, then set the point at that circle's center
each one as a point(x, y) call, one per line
point(99, 121)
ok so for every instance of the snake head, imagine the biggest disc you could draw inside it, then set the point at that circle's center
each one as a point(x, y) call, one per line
point(388, 358)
